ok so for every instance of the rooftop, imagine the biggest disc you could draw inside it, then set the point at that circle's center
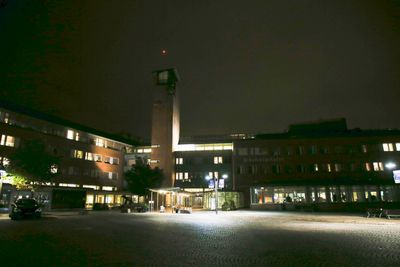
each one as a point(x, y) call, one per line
point(61, 121)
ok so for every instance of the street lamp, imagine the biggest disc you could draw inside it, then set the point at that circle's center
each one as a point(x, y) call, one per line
point(390, 165)
point(216, 183)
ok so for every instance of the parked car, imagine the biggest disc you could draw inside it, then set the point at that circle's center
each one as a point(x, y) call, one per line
point(25, 207)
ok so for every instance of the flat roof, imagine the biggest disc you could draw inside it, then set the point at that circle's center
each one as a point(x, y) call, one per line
point(63, 122)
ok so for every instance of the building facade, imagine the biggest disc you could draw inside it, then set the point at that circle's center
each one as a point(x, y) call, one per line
point(318, 163)
point(92, 162)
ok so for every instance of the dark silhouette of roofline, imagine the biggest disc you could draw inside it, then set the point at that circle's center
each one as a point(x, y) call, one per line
point(327, 128)
point(63, 122)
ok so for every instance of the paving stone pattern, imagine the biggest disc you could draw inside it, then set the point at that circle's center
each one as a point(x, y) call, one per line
point(239, 238)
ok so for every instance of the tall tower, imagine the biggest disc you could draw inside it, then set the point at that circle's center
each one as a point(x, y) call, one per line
point(165, 123)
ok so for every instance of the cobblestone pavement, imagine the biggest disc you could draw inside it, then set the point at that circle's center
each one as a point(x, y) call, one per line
point(239, 238)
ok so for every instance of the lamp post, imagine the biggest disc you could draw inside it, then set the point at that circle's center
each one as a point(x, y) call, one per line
point(2, 173)
point(216, 183)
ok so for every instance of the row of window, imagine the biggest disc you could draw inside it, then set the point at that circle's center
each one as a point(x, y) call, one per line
point(79, 154)
point(388, 147)
point(7, 140)
point(317, 194)
point(312, 168)
point(53, 129)
point(101, 142)
point(216, 160)
point(313, 150)
point(94, 187)
point(188, 176)
point(90, 172)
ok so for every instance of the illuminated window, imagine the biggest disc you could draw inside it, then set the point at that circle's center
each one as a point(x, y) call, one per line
point(179, 176)
point(367, 166)
point(89, 156)
point(179, 161)
point(68, 185)
point(99, 142)
point(7, 140)
point(10, 141)
point(397, 146)
point(355, 196)
point(328, 167)
point(107, 188)
point(378, 166)
point(217, 160)
point(204, 147)
point(186, 176)
point(78, 154)
point(94, 187)
point(109, 199)
point(387, 147)
point(216, 175)
point(54, 168)
point(70, 134)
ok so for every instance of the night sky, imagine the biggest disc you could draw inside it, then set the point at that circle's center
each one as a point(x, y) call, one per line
point(246, 66)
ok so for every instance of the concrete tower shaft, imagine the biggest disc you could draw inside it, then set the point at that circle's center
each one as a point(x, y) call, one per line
point(165, 123)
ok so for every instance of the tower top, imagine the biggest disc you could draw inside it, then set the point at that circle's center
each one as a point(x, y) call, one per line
point(166, 77)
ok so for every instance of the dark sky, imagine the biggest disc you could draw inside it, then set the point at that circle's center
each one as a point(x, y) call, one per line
point(246, 66)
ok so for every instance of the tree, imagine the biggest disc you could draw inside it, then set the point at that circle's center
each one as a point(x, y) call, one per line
point(32, 163)
point(141, 177)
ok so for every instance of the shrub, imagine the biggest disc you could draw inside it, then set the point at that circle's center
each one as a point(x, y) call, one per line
point(100, 206)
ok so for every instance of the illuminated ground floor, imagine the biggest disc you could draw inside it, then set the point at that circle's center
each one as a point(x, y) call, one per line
point(268, 196)
point(65, 198)
point(192, 198)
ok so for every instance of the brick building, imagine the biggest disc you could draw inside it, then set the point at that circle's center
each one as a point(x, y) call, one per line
point(92, 162)
point(321, 162)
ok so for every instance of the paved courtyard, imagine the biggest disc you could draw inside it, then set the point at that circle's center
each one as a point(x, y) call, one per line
point(239, 238)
